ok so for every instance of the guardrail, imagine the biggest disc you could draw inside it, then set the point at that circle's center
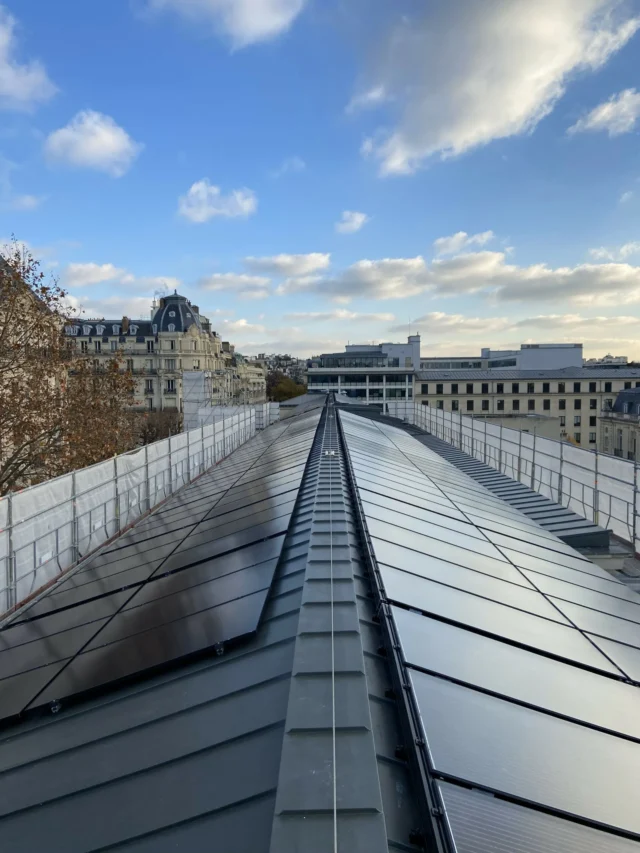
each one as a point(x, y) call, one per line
point(46, 529)
point(602, 488)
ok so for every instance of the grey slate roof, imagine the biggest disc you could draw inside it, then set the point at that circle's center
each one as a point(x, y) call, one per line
point(567, 373)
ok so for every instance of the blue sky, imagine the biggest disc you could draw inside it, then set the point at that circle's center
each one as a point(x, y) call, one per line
point(312, 172)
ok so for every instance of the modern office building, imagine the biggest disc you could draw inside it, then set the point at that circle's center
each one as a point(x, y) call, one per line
point(575, 395)
point(372, 373)
point(528, 357)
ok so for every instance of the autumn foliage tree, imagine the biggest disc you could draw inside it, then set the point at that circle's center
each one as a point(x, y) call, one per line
point(58, 412)
point(281, 387)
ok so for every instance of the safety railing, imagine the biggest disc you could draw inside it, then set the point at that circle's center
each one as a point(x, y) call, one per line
point(602, 488)
point(46, 529)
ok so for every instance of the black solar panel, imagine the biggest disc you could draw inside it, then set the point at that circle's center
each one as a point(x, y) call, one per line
point(168, 588)
point(516, 648)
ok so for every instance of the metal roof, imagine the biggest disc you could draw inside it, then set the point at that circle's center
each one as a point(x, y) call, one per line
point(561, 373)
point(408, 604)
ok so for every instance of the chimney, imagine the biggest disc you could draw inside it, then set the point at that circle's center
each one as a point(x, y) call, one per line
point(195, 309)
point(125, 325)
point(162, 302)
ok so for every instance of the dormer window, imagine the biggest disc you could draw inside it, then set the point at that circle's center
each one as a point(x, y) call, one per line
point(171, 327)
point(172, 313)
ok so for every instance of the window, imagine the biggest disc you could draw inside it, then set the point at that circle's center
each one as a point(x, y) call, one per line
point(627, 385)
point(560, 387)
point(149, 346)
point(562, 405)
point(577, 437)
point(424, 388)
point(84, 346)
point(469, 405)
point(593, 403)
point(563, 421)
point(148, 386)
point(592, 420)
point(485, 387)
point(546, 387)
point(531, 405)
point(531, 388)
point(592, 388)
point(576, 387)
point(500, 388)
point(454, 387)
point(625, 408)
point(170, 387)
point(440, 404)
point(454, 405)
point(592, 438)
point(607, 387)
point(169, 364)
point(114, 346)
point(515, 387)
point(577, 420)
point(577, 404)
point(546, 405)
point(130, 365)
point(425, 402)
point(440, 389)
point(500, 405)
point(172, 344)
point(469, 387)
point(196, 364)
point(608, 404)
point(515, 405)
point(485, 405)
point(407, 361)
point(637, 384)
point(171, 327)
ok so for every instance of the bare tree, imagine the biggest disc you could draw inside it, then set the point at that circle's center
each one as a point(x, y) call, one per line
point(57, 412)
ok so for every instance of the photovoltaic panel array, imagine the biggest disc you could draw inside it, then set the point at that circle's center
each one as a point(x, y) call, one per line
point(522, 656)
point(193, 575)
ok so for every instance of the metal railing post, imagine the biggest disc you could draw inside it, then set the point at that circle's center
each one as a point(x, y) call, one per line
point(596, 493)
point(146, 476)
point(560, 483)
point(170, 468)
point(11, 560)
point(74, 521)
point(635, 505)
point(519, 454)
point(500, 451)
point(472, 448)
point(533, 462)
point(188, 457)
point(117, 493)
point(204, 461)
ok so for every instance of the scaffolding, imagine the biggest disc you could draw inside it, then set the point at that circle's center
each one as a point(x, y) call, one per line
point(48, 528)
point(599, 487)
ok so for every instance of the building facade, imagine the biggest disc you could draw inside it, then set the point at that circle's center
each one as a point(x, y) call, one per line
point(370, 373)
point(158, 352)
point(528, 357)
point(576, 396)
point(620, 426)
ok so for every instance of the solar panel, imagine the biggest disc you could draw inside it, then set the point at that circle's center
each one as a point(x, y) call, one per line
point(527, 754)
point(482, 823)
point(180, 591)
point(517, 649)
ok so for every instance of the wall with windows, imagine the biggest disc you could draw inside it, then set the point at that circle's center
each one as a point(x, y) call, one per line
point(577, 403)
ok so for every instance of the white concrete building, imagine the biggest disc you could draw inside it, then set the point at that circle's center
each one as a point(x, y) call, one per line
point(372, 373)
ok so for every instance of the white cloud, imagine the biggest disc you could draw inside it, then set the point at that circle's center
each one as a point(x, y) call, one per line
point(81, 275)
point(340, 314)
point(92, 140)
point(617, 253)
point(205, 201)
point(155, 283)
point(351, 222)
point(288, 166)
point(572, 321)
point(617, 115)
point(438, 322)
point(461, 240)
point(250, 287)
point(389, 278)
point(625, 197)
point(245, 22)
point(466, 73)
point(241, 327)
point(112, 307)
point(22, 85)
point(25, 203)
point(289, 265)
point(367, 99)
